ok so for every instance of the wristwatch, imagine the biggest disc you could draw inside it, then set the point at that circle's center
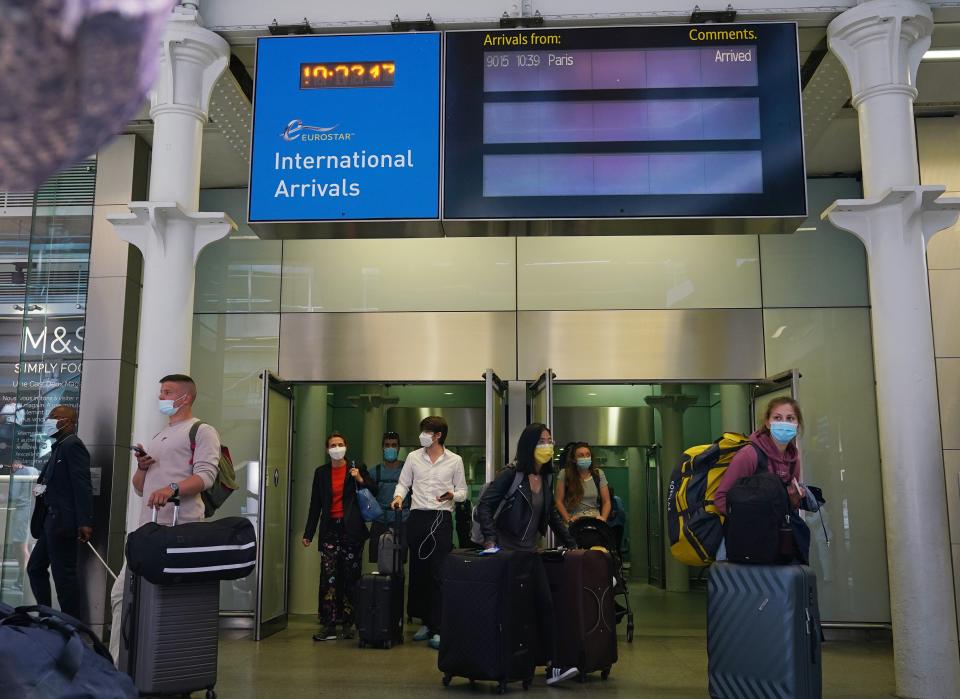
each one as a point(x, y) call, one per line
point(175, 487)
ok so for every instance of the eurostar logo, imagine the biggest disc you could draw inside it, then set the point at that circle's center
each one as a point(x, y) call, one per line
point(296, 129)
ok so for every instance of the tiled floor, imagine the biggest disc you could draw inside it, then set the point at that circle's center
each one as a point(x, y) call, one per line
point(666, 659)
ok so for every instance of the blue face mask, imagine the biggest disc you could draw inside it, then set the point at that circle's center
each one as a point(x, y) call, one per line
point(167, 407)
point(584, 463)
point(390, 454)
point(783, 432)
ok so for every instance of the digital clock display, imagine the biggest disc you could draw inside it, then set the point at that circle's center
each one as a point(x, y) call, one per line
point(347, 74)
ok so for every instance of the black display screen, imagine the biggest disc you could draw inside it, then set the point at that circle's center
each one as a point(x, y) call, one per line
point(624, 122)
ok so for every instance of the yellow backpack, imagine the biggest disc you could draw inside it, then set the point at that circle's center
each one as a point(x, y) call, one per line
point(694, 524)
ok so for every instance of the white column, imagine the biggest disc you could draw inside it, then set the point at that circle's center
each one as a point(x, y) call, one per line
point(167, 229)
point(880, 43)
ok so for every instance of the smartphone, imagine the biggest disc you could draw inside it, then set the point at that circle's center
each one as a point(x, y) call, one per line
point(138, 451)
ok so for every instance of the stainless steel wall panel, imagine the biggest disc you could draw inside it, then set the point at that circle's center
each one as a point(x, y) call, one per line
point(372, 347)
point(679, 345)
point(467, 425)
point(604, 427)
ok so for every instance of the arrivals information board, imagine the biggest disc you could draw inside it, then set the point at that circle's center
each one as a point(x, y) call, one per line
point(623, 122)
point(346, 128)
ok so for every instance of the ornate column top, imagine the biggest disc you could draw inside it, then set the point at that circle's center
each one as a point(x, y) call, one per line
point(192, 59)
point(881, 43)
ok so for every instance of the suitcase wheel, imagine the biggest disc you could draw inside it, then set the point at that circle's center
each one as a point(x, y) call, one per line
point(502, 687)
point(446, 680)
point(527, 683)
point(630, 631)
point(388, 645)
point(605, 673)
point(211, 694)
point(582, 677)
point(361, 643)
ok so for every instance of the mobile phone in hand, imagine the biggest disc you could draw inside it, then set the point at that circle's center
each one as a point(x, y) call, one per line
point(138, 451)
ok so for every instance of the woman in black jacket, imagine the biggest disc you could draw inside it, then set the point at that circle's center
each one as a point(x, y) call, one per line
point(529, 509)
point(333, 503)
point(523, 494)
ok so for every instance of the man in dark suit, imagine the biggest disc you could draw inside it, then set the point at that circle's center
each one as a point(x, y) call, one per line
point(63, 515)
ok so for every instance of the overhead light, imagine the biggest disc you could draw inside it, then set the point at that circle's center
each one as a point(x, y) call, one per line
point(448, 393)
point(591, 394)
point(942, 55)
point(807, 228)
point(779, 332)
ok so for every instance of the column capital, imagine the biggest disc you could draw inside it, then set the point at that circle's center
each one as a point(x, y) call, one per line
point(881, 43)
point(920, 210)
point(191, 60)
point(148, 220)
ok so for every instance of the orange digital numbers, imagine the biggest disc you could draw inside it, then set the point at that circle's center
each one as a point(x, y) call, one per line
point(347, 74)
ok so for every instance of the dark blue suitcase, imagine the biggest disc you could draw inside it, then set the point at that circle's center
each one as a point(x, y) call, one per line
point(763, 632)
point(488, 629)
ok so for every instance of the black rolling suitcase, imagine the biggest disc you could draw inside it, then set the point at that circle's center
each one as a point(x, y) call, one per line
point(763, 632)
point(488, 628)
point(169, 633)
point(581, 584)
point(380, 596)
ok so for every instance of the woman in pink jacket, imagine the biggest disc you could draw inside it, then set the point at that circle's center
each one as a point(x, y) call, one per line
point(777, 439)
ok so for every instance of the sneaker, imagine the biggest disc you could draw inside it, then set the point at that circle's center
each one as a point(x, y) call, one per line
point(422, 634)
point(434, 641)
point(559, 674)
point(329, 633)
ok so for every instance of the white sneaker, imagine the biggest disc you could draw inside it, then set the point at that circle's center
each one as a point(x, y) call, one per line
point(559, 674)
point(422, 634)
point(434, 642)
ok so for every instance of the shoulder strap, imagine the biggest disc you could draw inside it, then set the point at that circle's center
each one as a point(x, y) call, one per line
point(762, 460)
point(596, 482)
point(517, 480)
point(194, 428)
point(379, 466)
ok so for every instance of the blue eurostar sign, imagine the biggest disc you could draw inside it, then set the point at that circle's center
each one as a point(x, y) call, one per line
point(346, 128)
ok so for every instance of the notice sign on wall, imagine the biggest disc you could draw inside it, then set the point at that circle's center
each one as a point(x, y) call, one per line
point(346, 128)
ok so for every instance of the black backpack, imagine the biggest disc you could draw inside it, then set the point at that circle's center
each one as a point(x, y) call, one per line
point(46, 653)
point(758, 528)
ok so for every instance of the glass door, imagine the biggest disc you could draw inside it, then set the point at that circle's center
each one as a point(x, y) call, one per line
point(785, 384)
point(495, 457)
point(656, 550)
point(540, 396)
point(276, 432)
point(541, 399)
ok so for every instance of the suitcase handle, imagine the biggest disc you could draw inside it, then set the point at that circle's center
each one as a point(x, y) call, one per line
point(175, 500)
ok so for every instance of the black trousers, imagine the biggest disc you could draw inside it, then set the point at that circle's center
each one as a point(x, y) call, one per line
point(430, 539)
point(58, 552)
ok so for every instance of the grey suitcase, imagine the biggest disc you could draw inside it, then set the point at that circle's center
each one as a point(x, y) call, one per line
point(763, 632)
point(168, 634)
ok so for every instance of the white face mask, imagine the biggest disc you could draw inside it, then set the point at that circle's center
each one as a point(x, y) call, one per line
point(426, 439)
point(337, 453)
point(50, 426)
